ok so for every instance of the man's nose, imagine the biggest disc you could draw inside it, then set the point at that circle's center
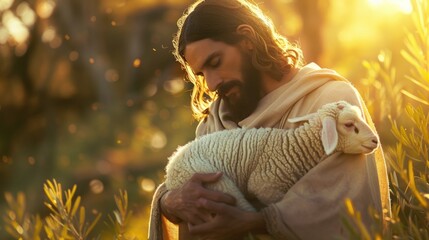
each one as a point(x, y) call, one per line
point(213, 81)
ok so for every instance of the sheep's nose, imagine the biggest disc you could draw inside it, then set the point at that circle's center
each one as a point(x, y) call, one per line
point(375, 141)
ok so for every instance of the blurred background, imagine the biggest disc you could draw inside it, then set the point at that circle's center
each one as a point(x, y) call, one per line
point(90, 93)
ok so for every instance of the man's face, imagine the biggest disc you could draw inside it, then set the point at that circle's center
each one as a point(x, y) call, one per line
point(229, 71)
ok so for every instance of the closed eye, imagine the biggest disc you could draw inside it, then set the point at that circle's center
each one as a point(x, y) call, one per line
point(356, 130)
point(215, 62)
point(351, 125)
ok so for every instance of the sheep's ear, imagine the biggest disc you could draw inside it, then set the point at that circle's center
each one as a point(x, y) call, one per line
point(302, 118)
point(329, 134)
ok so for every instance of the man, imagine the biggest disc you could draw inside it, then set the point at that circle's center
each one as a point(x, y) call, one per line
point(245, 74)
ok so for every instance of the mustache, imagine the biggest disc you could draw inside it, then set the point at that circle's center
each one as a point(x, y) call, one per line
point(225, 87)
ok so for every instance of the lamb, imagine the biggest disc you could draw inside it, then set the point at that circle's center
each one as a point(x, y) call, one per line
point(264, 163)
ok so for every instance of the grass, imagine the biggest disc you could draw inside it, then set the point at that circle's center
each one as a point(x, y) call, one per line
point(408, 156)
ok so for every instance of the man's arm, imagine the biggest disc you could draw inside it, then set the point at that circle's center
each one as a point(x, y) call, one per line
point(209, 214)
point(184, 204)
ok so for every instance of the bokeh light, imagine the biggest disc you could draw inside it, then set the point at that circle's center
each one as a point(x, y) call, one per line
point(96, 186)
point(147, 185)
point(15, 27)
point(5, 4)
point(399, 5)
point(174, 86)
point(158, 140)
point(45, 8)
point(27, 15)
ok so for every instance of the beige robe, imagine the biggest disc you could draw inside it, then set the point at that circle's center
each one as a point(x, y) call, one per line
point(313, 207)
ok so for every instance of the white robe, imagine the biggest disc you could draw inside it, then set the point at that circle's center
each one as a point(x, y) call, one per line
point(313, 207)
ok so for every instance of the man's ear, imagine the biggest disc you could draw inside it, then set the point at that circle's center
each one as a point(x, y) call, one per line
point(249, 33)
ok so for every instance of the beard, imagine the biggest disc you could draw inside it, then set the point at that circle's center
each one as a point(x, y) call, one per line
point(247, 93)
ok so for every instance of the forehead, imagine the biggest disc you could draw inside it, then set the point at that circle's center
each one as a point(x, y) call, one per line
point(352, 112)
point(197, 52)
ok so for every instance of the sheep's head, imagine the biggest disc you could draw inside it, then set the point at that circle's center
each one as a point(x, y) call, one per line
point(354, 134)
point(344, 129)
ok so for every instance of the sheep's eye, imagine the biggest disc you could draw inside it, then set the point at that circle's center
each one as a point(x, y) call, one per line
point(349, 125)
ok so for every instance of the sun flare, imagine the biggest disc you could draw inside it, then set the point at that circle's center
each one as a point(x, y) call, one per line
point(403, 6)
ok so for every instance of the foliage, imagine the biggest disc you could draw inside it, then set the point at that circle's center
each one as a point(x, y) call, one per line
point(121, 216)
point(64, 222)
point(67, 218)
point(17, 221)
point(409, 157)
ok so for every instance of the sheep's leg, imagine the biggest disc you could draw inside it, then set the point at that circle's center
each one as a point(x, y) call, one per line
point(226, 185)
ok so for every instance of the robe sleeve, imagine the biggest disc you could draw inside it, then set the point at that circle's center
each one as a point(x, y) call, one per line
point(313, 207)
point(159, 226)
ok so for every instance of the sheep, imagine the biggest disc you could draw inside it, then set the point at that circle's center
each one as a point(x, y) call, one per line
point(263, 163)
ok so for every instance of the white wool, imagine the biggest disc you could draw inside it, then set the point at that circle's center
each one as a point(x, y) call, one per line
point(264, 163)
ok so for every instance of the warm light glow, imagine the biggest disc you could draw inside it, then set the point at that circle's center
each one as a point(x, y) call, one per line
point(147, 185)
point(159, 140)
point(19, 229)
point(73, 56)
point(56, 42)
point(15, 27)
point(5, 4)
point(375, 2)
point(400, 5)
point(174, 86)
point(21, 49)
point(137, 63)
point(27, 15)
point(96, 186)
point(48, 35)
point(45, 8)
point(4, 35)
point(111, 75)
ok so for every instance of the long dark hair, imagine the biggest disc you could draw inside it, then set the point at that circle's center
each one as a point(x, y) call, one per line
point(218, 20)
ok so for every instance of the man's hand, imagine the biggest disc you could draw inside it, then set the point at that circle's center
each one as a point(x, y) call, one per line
point(228, 222)
point(183, 204)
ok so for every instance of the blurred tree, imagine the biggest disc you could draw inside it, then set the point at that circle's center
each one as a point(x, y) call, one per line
point(75, 86)
point(314, 18)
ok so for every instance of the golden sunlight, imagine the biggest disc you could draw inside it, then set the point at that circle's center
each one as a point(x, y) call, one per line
point(147, 185)
point(5, 4)
point(16, 28)
point(403, 6)
point(4, 35)
point(45, 8)
point(27, 15)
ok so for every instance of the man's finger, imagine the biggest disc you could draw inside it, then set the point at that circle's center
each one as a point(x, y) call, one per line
point(206, 177)
point(213, 207)
point(201, 228)
point(197, 219)
point(218, 197)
